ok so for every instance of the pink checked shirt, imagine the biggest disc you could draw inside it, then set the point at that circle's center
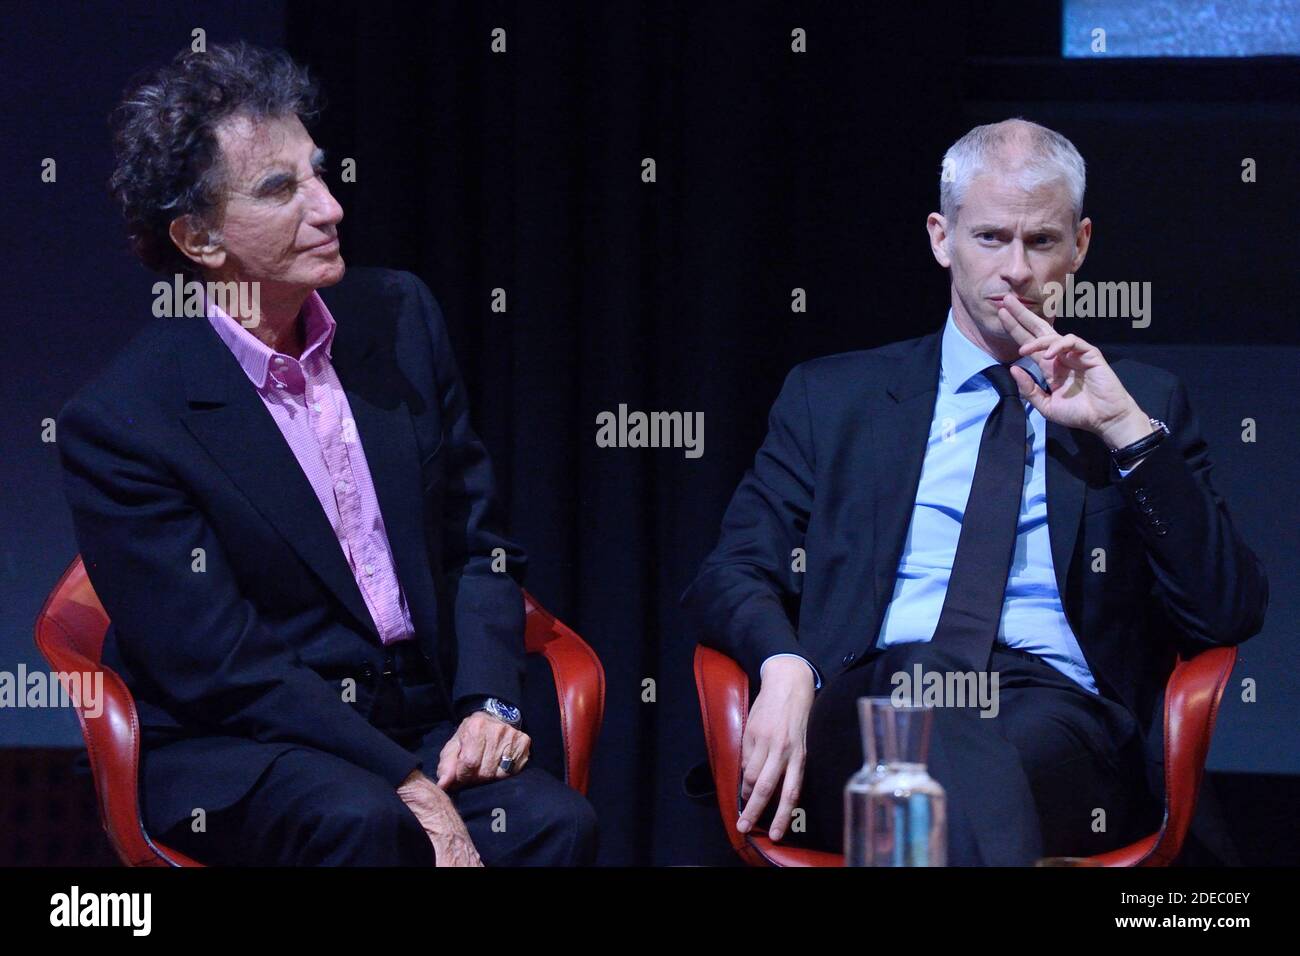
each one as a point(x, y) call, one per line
point(308, 403)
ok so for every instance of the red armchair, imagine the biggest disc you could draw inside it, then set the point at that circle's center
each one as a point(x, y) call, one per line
point(70, 634)
point(1191, 704)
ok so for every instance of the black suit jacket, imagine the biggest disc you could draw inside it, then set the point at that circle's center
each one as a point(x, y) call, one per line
point(170, 449)
point(837, 476)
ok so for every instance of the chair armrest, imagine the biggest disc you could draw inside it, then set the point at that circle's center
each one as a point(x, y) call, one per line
point(1192, 697)
point(723, 689)
point(579, 687)
point(69, 629)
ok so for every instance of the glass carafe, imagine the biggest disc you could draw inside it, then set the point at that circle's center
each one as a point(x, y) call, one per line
point(895, 814)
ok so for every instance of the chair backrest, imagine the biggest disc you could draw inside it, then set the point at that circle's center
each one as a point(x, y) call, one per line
point(72, 624)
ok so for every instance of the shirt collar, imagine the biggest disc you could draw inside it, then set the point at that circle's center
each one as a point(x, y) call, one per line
point(961, 360)
point(254, 355)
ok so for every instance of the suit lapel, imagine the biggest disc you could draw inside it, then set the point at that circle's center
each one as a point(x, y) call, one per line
point(227, 417)
point(904, 417)
point(902, 430)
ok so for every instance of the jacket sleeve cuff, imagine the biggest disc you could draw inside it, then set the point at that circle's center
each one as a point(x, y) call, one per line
point(396, 765)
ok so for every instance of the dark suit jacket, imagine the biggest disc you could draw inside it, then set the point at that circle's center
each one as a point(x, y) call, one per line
point(170, 449)
point(837, 476)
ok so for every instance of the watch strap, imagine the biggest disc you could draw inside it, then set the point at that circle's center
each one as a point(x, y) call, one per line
point(1130, 453)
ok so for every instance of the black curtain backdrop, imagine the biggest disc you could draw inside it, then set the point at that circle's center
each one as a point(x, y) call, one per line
point(775, 170)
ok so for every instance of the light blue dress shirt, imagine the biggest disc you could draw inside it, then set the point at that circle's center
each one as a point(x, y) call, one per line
point(1032, 616)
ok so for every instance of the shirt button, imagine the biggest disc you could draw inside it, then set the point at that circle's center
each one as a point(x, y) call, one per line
point(279, 360)
point(315, 406)
point(370, 569)
point(341, 486)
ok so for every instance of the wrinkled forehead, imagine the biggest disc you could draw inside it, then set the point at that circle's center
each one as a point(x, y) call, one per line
point(251, 146)
point(1018, 195)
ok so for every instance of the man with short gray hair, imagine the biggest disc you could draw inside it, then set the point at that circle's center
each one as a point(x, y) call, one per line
point(949, 493)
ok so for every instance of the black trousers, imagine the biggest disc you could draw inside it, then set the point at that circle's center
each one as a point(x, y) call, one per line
point(313, 808)
point(1057, 772)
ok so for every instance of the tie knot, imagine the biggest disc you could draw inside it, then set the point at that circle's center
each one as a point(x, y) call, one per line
point(1000, 376)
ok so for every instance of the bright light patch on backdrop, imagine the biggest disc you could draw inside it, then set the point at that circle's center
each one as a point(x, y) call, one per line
point(1099, 28)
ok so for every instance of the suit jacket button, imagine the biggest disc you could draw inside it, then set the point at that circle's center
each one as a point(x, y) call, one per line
point(848, 658)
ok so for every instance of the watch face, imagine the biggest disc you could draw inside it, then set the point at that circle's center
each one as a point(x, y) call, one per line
point(503, 710)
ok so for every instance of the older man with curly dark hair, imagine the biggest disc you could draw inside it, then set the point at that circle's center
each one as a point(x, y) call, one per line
point(291, 523)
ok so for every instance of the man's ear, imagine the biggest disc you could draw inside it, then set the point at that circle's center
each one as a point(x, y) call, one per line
point(196, 242)
point(937, 226)
point(1082, 237)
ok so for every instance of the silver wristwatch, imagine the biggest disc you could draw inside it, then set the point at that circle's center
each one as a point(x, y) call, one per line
point(502, 711)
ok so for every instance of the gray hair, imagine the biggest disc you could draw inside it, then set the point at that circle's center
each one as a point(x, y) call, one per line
point(1033, 154)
